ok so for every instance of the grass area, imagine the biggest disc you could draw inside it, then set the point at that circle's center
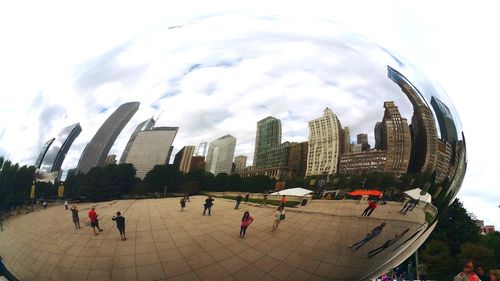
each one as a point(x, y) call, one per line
point(268, 202)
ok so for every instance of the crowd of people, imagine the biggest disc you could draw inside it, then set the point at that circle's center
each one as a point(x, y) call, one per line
point(246, 220)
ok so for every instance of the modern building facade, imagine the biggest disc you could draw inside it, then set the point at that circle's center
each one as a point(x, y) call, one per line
point(363, 140)
point(182, 160)
point(362, 162)
point(240, 163)
point(278, 173)
point(143, 126)
point(110, 160)
point(96, 151)
point(197, 163)
point(150, 148)
point(324, 144)
point(297, 158)
point(447, 126)
point(268, 138)
point(56, 151)
point(395, 138)
point(43, 151)
point(202, 149)
point(423, 125)
point(346, 140)
point(220, 155)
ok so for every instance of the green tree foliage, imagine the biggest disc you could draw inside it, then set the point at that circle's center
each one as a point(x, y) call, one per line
point(456, 226)
point(492, 241)
point(164, 175)
point(477, 253)
point(440, 265)
point(110, 182)
point(15, 184)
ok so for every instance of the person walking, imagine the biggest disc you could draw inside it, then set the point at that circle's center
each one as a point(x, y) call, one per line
point(264, 199)
point(246, 196)
point(44, 204)
point(283, 200)
point(372, 208)
point(183, 203)
point(186, 196)
point(369, 236)
point(66, 204)
point(367, 209)
point(279, 216)
point(238, 201)
point(120, 224)
point(94, 222)
point(209, 202)
point(74, 215)
point(246, 220)
point(468, 273)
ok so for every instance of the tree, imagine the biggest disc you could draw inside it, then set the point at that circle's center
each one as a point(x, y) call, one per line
point(440, 264)
point(477, 253)
point(492, 241)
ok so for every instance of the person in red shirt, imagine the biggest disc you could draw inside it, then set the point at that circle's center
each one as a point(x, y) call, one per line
point(94, 222)
point(245, 222)
point(372, 207)
point(468, 273)
point(283, 200)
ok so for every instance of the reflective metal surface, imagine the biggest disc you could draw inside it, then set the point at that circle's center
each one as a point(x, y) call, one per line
point(386, 152)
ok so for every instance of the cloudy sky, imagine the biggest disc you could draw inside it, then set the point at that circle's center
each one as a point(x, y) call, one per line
point(219, 68)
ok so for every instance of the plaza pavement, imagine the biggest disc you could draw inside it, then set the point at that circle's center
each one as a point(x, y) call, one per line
point(167, 244)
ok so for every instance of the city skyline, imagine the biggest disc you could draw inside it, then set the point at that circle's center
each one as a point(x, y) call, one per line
point(48, 94)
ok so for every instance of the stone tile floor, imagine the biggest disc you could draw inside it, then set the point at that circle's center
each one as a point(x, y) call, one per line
point(167, 244)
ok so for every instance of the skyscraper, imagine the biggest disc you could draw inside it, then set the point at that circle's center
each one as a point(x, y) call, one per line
point(297, 158)
point(144, 126)
point(378, 135)
point(96, 151)
point(240, 163)
point(202, 149)
point(346, 140)
point(43, 151)
point(150, 148)
point(423, 126)
point(395, 139)
point(57, 152)
point(268, 137)
point(110, 160)
point(447, 126)
point(324, 144)
point(363, 140)
point(220, 155)
point(182, 160)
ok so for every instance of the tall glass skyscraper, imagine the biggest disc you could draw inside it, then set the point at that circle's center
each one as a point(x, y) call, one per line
point(268, 137)
point(43, 151)
point(57, 152)
point(220, 155)
point(144, 126)
point(150, 148)
point(96, 151)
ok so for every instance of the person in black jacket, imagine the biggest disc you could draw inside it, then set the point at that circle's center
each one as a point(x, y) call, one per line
point(209, 202)
point(120, 224)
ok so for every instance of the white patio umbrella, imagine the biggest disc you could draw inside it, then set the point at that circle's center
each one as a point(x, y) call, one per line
point(297, 191)
point(417, 194)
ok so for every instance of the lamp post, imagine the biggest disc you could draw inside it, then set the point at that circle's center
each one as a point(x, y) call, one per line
point(165, 192)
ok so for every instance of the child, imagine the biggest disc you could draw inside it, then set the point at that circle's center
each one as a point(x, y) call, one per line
point(245, 222)
point(183, 203)
point(120, 224)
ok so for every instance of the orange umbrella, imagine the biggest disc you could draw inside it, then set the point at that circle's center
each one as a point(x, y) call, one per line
point(365, 192)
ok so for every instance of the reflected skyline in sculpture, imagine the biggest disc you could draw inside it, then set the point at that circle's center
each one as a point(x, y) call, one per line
point(348, 120)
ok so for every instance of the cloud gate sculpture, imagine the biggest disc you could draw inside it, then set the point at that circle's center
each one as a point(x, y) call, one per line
point(382, 145)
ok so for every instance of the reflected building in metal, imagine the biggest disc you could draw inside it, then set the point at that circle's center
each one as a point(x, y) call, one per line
point(144, 126)
point(55, 153)
point(325, 145)
point(150, 148)
point(220, 155)
point(43, 151)
point(96, 151)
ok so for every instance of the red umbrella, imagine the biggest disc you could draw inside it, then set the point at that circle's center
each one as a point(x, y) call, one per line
point(365, 192)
